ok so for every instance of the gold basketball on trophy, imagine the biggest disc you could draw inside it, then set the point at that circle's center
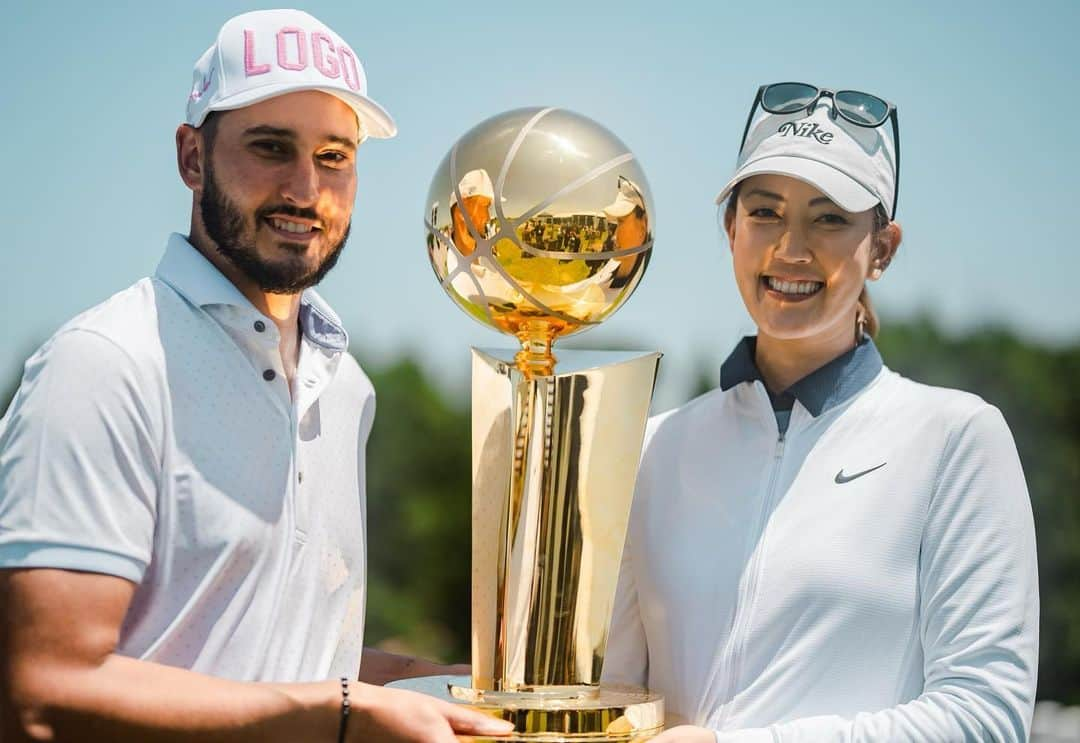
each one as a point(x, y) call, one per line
point(539, 225)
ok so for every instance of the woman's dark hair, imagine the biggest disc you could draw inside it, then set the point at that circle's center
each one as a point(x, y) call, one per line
point(866, 312)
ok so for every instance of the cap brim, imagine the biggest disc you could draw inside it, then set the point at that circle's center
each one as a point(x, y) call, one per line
point(489, 197)
point(844, 190)
point(376, 121)
point(619, 209)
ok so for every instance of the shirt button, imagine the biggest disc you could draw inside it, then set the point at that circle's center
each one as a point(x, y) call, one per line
point(299, 476)
point(260, 326)
point(269, 375)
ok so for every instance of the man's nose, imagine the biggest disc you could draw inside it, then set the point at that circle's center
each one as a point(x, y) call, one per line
point(301, 188)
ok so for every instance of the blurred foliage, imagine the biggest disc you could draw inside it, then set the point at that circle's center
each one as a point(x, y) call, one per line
point(419, 519)
point(419, 465)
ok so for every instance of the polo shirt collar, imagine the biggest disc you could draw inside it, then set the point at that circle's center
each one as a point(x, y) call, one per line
point(199, 281)
point(195, 278)
point(821, 389)
point(321, 324)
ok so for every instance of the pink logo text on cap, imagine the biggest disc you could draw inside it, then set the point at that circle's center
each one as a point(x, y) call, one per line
point(292, 44)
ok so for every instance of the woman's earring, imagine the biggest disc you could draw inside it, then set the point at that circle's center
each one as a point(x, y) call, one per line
point(860, 327)
point(875, 273)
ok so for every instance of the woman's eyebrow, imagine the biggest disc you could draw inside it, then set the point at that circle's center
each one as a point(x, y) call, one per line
point(766, 194)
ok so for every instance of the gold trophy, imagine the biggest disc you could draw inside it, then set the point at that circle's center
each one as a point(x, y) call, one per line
point(539, 224)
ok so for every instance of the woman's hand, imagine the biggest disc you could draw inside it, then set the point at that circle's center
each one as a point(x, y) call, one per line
point(686, 734)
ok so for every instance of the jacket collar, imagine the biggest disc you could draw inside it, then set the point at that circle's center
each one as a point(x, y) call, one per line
point(821, 389)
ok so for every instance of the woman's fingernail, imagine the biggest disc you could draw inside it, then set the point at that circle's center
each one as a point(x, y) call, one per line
point(496, 727)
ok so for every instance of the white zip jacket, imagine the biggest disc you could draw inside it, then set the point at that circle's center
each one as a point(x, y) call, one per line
point(870, 575)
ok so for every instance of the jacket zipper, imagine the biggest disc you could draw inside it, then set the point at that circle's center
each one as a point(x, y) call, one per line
point(740, 627)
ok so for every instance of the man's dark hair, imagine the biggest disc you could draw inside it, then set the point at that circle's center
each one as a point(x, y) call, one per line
point(209, 129)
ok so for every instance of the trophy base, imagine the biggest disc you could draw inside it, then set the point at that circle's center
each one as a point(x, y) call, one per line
point(578, 714)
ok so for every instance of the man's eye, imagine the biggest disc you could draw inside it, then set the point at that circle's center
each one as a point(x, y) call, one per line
point(334, 158)
point(269, 147)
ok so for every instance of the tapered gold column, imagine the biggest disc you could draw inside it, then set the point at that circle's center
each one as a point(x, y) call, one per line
point(554, 463)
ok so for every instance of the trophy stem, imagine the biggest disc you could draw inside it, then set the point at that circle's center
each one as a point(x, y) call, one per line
point(555, 460)
point(535, 358)
point(554, 463)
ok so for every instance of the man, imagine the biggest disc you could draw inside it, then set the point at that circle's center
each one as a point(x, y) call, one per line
point(477, 195)
point(472, 279)
point(573, 241)
point(182, 468)
point(631, 229)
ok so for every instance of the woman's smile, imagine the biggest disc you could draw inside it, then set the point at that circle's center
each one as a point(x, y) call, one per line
point(790, 289)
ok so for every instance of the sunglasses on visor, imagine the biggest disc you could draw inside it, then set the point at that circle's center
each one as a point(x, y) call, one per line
point(854, 106)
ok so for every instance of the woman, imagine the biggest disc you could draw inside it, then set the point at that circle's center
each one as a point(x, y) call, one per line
point(821, 549)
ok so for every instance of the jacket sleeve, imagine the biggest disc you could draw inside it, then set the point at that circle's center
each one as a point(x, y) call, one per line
point(979, 609)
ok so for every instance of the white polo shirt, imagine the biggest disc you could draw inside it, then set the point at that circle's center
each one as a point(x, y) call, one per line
point(869, 575)
point(154, 438)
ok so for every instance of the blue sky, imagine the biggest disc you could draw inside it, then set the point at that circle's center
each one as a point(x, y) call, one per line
point(986, 91)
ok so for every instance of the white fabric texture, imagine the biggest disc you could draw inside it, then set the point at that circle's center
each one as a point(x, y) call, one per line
point(146, 442)
point(772, 599)
point(267, 53)
point(855, 166)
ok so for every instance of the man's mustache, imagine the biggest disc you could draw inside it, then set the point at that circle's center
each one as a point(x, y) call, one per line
point(287, 210)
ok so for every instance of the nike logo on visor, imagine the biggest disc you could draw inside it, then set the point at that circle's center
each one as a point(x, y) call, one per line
point(841, 478)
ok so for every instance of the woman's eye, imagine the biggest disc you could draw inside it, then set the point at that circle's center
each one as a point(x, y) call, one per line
point(763, 212)
point(832, 219)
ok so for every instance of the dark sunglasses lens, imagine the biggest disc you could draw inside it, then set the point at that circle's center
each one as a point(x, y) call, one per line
point(785, 98)
point(861, 108)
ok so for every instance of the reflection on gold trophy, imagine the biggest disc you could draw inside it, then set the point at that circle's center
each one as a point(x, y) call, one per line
point(539, 224)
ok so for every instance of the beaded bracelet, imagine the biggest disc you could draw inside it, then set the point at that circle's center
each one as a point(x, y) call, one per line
point(345, 704)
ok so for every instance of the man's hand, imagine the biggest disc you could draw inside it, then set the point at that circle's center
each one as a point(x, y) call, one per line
point(397, 716)
point(62, 680)
point(686, 734)
point(380, 668)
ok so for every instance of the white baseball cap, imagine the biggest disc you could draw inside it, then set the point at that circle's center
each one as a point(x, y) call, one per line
point(267, 53)
point(855, 166)
point(627, 199)
point(474, 183)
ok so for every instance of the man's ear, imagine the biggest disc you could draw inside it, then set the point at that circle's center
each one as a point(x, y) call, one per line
point(190, 153)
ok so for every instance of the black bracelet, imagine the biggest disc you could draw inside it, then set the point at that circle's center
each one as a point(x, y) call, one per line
point(345, 704)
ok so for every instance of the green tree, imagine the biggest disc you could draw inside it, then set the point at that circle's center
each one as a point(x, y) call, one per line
point(419, 517)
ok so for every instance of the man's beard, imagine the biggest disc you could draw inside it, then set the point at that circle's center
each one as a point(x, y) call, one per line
point(225, 225)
